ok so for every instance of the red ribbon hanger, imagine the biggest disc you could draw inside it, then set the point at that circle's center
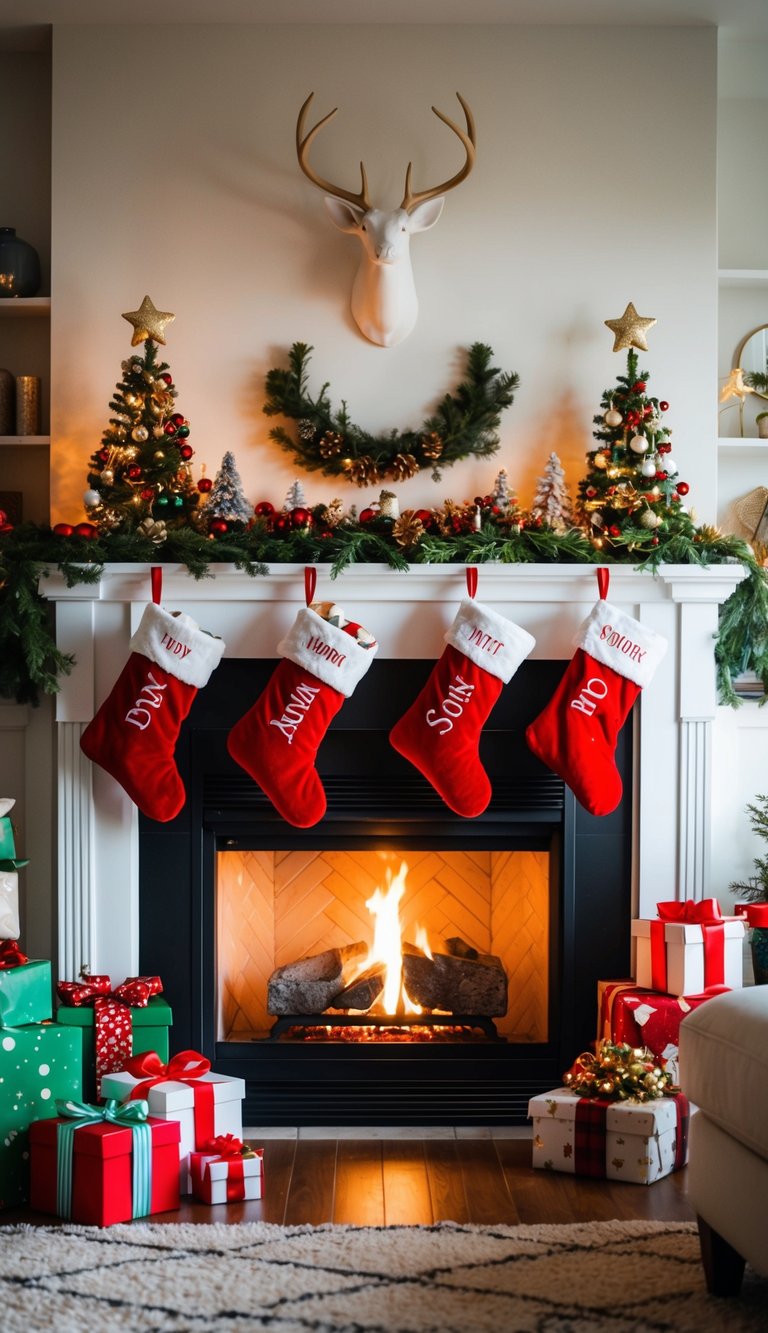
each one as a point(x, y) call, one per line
point(603, 582)
point(310, 583)
point(471, 580)
point(156, 580)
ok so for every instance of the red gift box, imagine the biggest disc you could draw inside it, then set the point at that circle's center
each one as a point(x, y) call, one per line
point(644, 1017)
point(102, 1170)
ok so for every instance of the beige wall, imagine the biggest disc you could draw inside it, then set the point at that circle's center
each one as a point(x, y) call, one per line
point(174, 174)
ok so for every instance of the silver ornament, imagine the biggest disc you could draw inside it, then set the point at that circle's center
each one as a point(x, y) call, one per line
point(639, 444)
point(648, 467)
point(107, 476)
point(649, 520)
point(669, 465)
point(612, 417)
point(140, 434)
point(91, 498)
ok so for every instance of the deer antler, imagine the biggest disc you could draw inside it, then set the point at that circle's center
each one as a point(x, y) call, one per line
point(411, 199)
point(303, 145)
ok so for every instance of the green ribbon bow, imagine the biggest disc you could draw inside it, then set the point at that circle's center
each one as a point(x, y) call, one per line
point(133, 1116)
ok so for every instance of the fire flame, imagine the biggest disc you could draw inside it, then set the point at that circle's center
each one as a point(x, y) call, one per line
point(384, 906)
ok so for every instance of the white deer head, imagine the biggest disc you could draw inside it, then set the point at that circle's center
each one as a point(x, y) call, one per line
point(384, 303)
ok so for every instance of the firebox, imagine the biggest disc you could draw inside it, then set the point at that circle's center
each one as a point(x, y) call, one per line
point(512, 916)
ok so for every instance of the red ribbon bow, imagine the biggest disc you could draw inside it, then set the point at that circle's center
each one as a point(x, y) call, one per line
point(224, 1146)
point(756, 914)
point(112, 1019)
point(186, 1067)
point(134, 991)
point(706, 914)
point(11, 955)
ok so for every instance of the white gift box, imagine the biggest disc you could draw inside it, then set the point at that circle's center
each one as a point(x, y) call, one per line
point(684, 944)
point(209, 1180)
point(640, 1137)
point(9, 904)
point(171, 1100)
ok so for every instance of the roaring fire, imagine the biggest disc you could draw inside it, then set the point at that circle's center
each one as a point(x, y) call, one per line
point(386, 949)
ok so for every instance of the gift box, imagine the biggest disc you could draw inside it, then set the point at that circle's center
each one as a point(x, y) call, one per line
point(637, 1142)
point(227, 1171)
point(688, 949)
point(645, 1018)
point(25, 989)
point(204, 1104)
point(116, 1023)
point(8, 857)
point(104, 1164)
point(9, 905)
point(148, 1032)
point(38, 1064)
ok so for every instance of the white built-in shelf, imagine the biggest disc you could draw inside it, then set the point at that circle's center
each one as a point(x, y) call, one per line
point(734, 444)
point(743, 277)
point(26, 440)
point(23, 306)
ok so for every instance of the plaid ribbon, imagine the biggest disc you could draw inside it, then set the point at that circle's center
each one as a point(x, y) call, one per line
point(589, 1134)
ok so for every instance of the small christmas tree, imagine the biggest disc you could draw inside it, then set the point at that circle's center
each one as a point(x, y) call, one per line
point(552, 502)
point(295, 499)
point(631, 490)
point(226, 499)
point(141, 470)
point(501, 495)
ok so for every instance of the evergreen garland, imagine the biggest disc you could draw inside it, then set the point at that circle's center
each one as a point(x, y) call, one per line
point(465, 424)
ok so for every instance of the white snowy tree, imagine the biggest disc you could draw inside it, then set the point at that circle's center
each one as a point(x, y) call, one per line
point(552, 502)
point(226, 498)
point(295, 499)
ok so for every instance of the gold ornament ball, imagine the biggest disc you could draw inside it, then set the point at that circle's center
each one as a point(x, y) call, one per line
point(107, 476)
point(139, 434)
point(639, 444)
point(600, 461)
point(612, 417)
point(159, 456)
point(649, 520)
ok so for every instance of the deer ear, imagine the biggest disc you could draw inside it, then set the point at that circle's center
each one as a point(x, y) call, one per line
point(347, 217)
point(425, 215)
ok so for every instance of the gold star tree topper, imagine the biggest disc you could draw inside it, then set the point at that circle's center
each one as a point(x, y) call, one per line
point(148, 322)
point(630, 330)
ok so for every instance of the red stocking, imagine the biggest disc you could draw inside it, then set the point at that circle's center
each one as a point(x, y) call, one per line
point(577, 732)
point(278, 738)
point(440, 733)
point(134, 733)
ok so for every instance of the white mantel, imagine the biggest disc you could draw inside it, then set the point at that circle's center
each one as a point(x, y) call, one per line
point(408, 612)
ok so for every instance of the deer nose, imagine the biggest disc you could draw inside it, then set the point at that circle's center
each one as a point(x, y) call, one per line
point(385, 251)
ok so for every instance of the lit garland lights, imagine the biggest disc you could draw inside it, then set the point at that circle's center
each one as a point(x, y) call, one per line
point(620, 1073)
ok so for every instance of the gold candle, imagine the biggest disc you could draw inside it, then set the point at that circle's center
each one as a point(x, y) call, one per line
point(7, 403)
point(27, 405)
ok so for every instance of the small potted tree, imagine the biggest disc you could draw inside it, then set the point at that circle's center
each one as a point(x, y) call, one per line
point(762, 425)
point(754, 891)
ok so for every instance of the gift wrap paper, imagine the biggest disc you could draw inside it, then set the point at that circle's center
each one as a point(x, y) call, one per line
point(641, 1138)
point(171, 1100)
point(38, 1064)
point(644, 1018)
point(149, 1032)
point(25, 994)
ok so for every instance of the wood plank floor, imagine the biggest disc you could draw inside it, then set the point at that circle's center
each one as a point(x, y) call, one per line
point(393, 1182)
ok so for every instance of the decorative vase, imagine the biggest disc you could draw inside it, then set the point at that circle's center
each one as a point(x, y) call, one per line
point(27, 405)
point(19, 265)
point(762, 426)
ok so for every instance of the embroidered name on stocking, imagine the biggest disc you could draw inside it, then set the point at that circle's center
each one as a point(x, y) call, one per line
point(622, 644)
point(151, 697)
point(459, 695)
point(300, 702)
point(174, 646)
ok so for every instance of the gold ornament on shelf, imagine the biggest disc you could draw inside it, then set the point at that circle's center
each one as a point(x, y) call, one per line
point(432, 446)
point(407, 530)
point(630, 330)
point(404, 466)
point(148, 322)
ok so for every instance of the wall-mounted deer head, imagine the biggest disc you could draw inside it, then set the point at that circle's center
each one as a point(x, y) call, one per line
point(384, 303)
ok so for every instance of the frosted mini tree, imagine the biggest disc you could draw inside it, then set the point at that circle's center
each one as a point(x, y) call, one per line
point(295, 499)
point(552, 502)
point(226, 499)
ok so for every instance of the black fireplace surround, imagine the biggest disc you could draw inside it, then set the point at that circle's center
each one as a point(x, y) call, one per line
point(376, 800)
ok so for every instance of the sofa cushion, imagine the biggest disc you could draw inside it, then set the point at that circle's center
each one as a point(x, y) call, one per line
point(724, 1063)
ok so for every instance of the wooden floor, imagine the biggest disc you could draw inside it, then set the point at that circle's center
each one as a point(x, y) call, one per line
point(401, 1182)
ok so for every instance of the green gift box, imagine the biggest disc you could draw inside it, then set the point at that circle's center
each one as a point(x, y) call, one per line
point(38, 1064)
point(149, 1032)
point(25, 994)
point(8, 858)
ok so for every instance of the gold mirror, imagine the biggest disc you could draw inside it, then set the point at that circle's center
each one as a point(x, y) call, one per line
point(752, 355)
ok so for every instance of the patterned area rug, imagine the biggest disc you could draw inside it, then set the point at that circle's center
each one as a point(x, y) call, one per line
point(442, 1279)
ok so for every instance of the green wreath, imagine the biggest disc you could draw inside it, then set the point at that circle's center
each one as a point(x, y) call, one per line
point(464, 425)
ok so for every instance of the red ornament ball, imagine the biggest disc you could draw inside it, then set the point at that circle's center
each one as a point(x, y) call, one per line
point(205, 485)
point(663, 406)
point(86, 530)
point(366, 515)
point(639, 386)
point(424, 516)
point(661, 475)
point(282, 523)
point(264, 509)
point(169, 428)
point(186, 452)
point(633, 418)
point(177, 419)
point(301, 518)
point(654, 541)
point(683, 487)
point(134, 472)
point(591, 492)
point(664, 448)
point(166, 378)
point(147, 494)
point(61, 529)
point(218, 526)
point(615, 530)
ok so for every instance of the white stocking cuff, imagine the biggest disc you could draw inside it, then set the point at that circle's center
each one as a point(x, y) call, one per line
point(487, 639)
point(620, 642)
point(178, 645)
point(326, 652)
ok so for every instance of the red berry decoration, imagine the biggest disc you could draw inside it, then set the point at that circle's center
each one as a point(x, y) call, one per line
point(366, 515)
point(638, 386)
point(186, 452)
point(654, 541)
point(61, 529)
point(663, 406)
point(218, 527)
point(86, 530)
point(661, 475)
point(147, 494)
point(264, 509)
point(205, 485)
point(301, 518)
point(664, 448)
point(615, 530)
point(683, 487)
point(134, 472)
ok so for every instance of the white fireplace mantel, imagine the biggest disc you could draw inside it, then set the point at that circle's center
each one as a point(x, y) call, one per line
point(98, 908)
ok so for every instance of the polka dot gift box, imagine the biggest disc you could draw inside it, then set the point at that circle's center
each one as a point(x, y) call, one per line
point(38, 1065)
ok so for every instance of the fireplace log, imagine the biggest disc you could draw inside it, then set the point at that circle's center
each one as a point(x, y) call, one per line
point(363, 991)
point(459, 985)
point(310, 985)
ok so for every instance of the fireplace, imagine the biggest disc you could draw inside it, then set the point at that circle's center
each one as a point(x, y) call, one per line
point(599, 872)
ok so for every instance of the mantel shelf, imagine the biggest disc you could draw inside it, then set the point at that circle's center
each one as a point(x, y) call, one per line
point(19, 307)
point(28, 441)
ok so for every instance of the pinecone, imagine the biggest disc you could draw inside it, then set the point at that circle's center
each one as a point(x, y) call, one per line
point(403, 467)
point(330, 444)
point(109, 519)
point(155, 529)
point(407, 530)
point(362, 471)
point(307, 429)
point(432, 446)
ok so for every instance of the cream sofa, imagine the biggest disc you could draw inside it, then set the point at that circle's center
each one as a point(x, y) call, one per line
point(724, 1071)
